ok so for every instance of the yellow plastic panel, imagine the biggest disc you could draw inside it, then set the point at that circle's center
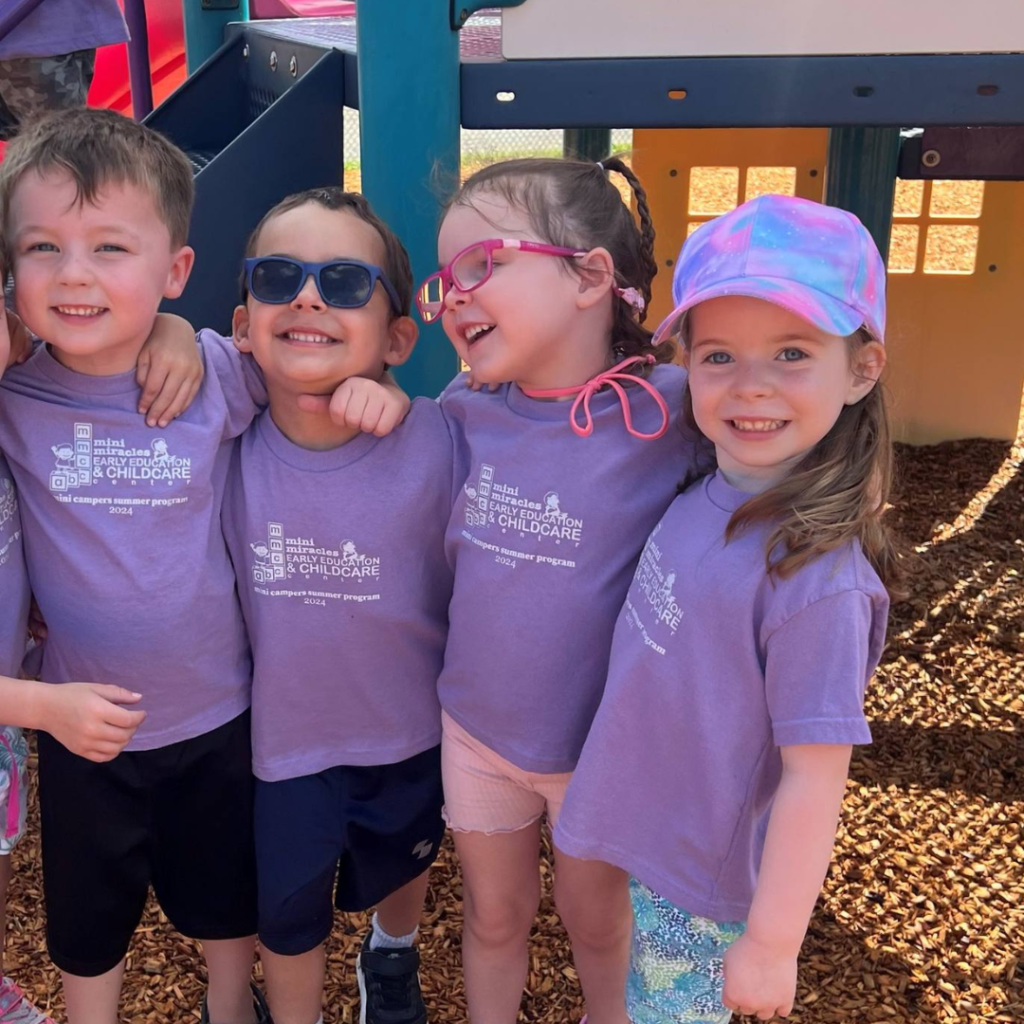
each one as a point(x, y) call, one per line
point(955, 339)
point(956, 344)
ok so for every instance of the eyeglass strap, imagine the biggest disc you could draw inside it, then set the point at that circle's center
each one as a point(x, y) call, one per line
point(585, 392)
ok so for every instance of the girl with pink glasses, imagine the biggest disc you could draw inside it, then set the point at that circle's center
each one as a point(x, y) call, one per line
point(564, 468)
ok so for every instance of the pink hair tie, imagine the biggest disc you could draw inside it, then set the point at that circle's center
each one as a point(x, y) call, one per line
point(584, 392)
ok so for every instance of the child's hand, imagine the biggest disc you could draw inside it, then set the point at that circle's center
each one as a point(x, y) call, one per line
point(169, 370)
point(362, 404)
point(759, 978)
point(87, 718)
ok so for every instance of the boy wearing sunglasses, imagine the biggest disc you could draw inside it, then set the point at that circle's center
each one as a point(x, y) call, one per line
point(338, 543)
point(128, 562)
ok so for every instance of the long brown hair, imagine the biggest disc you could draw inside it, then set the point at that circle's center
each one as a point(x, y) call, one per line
point(837, 493)
point(573, 203)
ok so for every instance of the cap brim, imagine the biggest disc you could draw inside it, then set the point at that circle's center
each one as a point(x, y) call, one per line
point(821, 310)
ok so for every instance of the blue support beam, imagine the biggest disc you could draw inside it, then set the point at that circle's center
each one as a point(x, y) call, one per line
point(409, 93)
point(204, 26)
point(587, 143)
point(860, 176)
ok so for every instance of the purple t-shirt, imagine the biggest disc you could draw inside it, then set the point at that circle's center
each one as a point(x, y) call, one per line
point(123, 538)
point(63, 26)
point(544, 537)
point(713, 669)
point(345, 588)
point(14, 591)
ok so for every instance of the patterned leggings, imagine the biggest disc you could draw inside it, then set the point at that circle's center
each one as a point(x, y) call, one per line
point(675, 970)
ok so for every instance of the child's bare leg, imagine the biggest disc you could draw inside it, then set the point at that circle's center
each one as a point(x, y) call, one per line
point(593, 901)
point(500, 896)
point(399, 914)
point(229, 965)
point(295, 985)
point(93, 1000)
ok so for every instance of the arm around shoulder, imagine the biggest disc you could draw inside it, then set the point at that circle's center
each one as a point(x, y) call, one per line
point(169, 370)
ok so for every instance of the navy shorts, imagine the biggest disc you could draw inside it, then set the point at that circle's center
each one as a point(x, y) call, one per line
point(178, 818)
point(374, 828)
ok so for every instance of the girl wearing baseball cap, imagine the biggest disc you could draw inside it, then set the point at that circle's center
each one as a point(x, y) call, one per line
point(715, 768)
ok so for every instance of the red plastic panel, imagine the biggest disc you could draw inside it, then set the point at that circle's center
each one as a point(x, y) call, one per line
point(166, 57)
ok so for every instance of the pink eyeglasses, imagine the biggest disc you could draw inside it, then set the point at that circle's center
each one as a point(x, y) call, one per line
point(471, 267)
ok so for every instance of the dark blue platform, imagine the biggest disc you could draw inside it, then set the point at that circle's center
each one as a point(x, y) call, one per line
point(734, 92)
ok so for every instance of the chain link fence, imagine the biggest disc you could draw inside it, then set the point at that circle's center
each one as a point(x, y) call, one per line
point(479, 146)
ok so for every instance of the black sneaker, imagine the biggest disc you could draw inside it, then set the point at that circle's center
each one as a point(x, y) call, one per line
point(389, 986)
point(259, 1004)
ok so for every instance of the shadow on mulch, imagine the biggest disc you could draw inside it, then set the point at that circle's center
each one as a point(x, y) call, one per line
point(932, 757)
point(926, 499)
point(852, 977)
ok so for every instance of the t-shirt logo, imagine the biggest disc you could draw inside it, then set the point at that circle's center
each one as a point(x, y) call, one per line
point(492, 502)
point(280, 557)
point(269, 562)
point(86, 460)
point(8, 510)
point(654, 587)
point(8, 502)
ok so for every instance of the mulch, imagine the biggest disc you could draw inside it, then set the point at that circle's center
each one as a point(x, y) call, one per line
point(923, 911)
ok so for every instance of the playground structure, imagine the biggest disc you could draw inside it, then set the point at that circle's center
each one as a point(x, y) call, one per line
point(833, 93)
point(821, 99)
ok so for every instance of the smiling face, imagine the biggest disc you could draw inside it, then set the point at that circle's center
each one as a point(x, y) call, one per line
point(89, 276)
point(534, 321)
point(767, 386)
point(307, 346)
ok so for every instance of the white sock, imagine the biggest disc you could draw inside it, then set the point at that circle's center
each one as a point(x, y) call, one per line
point(381, 940)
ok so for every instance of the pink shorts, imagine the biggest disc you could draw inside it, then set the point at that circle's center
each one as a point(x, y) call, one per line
point(485, 793)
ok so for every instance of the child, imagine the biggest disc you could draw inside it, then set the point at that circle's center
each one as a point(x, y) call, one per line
point(717, 761)
point(128, 563)
point(544, 283)
point(87, 718)
point(338, 545)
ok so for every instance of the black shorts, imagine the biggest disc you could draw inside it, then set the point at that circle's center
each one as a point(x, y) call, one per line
point(376, 828)
point(178, 818)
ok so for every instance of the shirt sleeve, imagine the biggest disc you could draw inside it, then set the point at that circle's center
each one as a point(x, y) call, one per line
point(817, 667)
point(240, 381)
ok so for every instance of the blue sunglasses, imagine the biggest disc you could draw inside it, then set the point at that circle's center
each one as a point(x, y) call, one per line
point(345, 284)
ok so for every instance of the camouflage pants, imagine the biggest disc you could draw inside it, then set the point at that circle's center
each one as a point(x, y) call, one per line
point(33, 86)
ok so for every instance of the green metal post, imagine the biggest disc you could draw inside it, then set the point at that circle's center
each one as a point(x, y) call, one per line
point(587, 143)
point(409, 100)
point(860, 176)
point(204, 26)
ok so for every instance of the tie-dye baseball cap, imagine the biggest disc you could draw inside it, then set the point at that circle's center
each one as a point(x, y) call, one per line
point(816, 261)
